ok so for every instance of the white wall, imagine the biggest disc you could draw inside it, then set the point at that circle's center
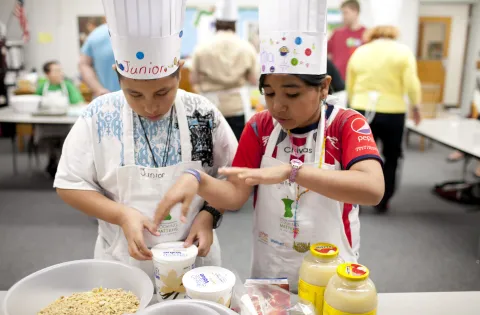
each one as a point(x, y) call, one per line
point(458, 39)
point(401, 13)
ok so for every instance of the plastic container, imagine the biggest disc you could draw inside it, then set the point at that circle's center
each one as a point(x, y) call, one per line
point(38, 290)
point(211, 284)
point(187, 307)
point(351, 291)
point(25, 104)
point(170, 262)
point(318, 267)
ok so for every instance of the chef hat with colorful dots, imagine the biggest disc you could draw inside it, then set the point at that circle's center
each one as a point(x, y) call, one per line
point(146, 36)
point(293, 36)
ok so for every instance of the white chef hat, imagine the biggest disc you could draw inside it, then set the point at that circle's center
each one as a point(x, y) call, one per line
point(146, 36)
point(226, 10)
point(293, 36)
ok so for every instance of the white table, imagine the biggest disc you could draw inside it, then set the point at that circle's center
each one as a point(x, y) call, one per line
point(8, 115)
point(443, 303)
point(457, 133)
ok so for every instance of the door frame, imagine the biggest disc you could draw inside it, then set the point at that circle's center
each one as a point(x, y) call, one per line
point(437, 19)
point(447, 21)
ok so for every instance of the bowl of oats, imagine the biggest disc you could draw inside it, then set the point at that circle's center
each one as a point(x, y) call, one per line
point(81, 287)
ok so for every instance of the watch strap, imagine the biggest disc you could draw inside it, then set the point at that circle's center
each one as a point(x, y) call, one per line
point(217, 215)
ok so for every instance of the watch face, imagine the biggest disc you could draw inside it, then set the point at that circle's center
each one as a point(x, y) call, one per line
point(296, 163)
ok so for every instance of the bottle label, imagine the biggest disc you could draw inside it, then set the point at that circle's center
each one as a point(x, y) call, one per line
point(328, 310)
point(311, 293)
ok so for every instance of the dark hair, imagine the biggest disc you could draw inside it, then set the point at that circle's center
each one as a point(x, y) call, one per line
point(352, 4)
point(225, 26)
point(48, 65)
point(309, 79)
point(176, 74)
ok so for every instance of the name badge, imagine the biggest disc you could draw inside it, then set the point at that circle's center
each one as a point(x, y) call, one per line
point(151, 174)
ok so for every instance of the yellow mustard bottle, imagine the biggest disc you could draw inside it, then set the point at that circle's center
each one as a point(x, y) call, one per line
point(318, 266)
point(350, 292)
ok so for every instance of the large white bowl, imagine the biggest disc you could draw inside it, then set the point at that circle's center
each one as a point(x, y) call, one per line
point(38, 290)
point(187, 306)
point(25, 104)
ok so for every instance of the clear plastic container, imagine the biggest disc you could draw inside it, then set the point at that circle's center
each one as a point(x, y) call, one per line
point(38, 290)
point(350, 291)
point(318, 267)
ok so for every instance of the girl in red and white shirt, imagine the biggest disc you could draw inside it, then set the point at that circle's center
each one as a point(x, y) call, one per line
point(309, 163)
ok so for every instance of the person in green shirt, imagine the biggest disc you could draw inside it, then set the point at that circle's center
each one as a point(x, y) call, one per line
point(55, 81)
point(56, 92)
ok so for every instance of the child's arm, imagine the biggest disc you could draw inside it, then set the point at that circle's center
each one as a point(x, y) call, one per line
point(228, 194)
point(359, 182)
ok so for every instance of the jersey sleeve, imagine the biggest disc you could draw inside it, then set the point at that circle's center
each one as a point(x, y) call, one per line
point(249, 152)
point(358, 143)
point(76, 169)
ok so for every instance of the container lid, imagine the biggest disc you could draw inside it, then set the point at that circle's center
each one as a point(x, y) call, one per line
point(209, 280)
point(324, 250)
point(173, 252)
point(353, 272)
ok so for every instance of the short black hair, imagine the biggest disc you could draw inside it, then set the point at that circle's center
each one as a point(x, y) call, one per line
point(309, 79)
point(225, 26)
point(352, 4)
point(175, 74)
point(47, 66)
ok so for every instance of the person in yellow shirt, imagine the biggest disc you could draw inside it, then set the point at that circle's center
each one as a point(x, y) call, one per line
point(379, 75)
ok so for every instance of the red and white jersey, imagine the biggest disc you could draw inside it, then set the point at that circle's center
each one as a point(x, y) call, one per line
point(348, 140)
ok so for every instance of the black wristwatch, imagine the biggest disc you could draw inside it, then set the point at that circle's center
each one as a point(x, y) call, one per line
point(217, 215)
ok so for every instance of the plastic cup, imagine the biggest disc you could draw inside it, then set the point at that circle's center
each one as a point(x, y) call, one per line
point(213, 284)
point(171, 261)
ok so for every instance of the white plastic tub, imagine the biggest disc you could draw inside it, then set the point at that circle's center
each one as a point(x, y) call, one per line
point(171, 261)
point(25, 104)
point(213, 284)
point(38, 290)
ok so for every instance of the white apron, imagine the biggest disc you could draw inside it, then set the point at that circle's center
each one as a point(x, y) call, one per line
point(53, 100)
point(319, 219)
point(142, 188)
point(244, 94)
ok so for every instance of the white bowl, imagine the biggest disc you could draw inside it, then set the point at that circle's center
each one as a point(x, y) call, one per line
point(180, 307)
point(25, 104)
point(38, 290)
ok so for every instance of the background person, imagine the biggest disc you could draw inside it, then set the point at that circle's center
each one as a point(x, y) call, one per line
point(96, 60)
point(224, 66)
point(379, 74)
point(56, 92)
point(347, 38)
